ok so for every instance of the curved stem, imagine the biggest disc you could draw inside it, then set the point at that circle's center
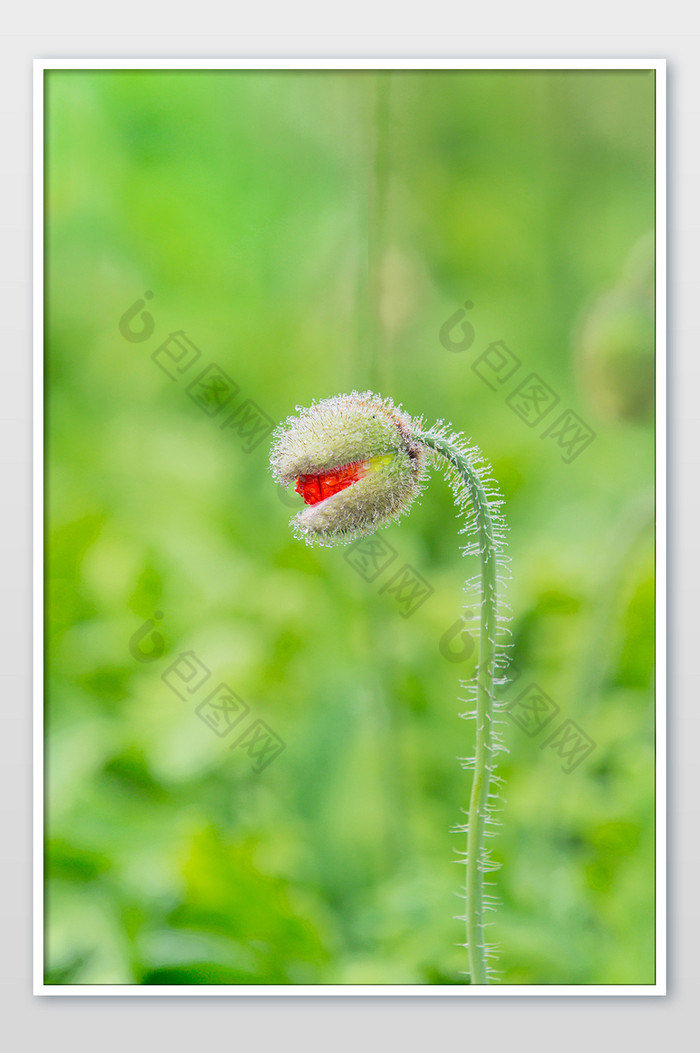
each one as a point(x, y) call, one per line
point(481, 503)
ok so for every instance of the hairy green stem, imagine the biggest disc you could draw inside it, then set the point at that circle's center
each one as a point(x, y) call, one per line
point(347, 430)
point(484, 752)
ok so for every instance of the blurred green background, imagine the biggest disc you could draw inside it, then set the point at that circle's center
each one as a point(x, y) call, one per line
point(310, 233)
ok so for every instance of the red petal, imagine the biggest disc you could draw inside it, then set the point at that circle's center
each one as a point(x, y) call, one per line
point(315, 488)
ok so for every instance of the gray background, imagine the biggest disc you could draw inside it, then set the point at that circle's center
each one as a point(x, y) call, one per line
point(537, 30)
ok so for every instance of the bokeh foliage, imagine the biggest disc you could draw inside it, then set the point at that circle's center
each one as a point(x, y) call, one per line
point(311, 232)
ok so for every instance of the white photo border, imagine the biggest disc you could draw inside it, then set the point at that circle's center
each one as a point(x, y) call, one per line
point(41, 66)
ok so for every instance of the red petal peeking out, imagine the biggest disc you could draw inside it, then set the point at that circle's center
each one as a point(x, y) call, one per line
point(315, 488)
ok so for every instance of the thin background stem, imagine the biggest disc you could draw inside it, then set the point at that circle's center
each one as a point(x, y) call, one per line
point(387, 712)
point(376, 228)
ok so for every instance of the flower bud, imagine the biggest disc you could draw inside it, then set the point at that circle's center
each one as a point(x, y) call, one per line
point(355, 464)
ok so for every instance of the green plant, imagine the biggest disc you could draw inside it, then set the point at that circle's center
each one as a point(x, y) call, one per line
point(358, 462)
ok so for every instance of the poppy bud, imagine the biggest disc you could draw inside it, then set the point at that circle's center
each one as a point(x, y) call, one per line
point(355, 463)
